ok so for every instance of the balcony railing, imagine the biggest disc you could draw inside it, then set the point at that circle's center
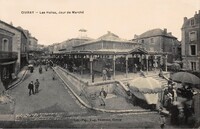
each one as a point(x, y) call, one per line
point(8, 55)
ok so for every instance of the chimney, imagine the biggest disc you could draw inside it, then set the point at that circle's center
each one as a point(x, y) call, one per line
point(109, 32)
point(11, 23)
point(165, 31)
point(185, 19)
point(136, 36)
point(170, 33)
point(195, 14)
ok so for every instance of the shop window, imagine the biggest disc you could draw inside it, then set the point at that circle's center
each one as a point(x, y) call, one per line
point(193, 36)
point(193, 50)
point(5, 44)
point(193, 66)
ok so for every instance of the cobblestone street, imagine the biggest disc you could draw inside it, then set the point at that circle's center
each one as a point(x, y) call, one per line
point(52, 96)
point(55, 106)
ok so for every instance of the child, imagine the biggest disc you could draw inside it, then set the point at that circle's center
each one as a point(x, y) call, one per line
point(162, 121)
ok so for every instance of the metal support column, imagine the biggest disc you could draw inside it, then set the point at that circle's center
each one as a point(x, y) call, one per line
point(147, 62)
point(126, 66)
point(166, 63)
point(114, 66)
point(91, 67)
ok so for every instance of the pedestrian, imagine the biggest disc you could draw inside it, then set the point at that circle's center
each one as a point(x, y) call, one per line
point(109, 74)
point(161, 73)
point(155, 65)
point(31, 88)
point(93, 77)
point(174, 92)
point(104, 72)
point(142, 73)
point(169, 100)
point(102, 96)
point(46, 68)
point(53, 75)
point(135, 68)
point(37, 84)
point(40, 70)
point(174, 114)
point(162, 120)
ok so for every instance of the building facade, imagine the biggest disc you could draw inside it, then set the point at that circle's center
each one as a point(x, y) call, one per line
point(191, 42)
point(33, 42)
point(158, 40)
point(69, 44)
point(13, 43)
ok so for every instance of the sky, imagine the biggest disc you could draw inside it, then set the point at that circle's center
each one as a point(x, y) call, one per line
point(124, 18)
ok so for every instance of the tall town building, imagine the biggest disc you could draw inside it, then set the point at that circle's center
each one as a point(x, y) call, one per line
point(13, 42)
point(33, 42)
point(158, 40)
point(191, 42)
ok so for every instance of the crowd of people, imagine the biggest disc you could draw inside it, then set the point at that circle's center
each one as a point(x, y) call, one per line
point(179, 102)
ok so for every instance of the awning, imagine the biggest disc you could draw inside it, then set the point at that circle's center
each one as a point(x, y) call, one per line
point(7, 63)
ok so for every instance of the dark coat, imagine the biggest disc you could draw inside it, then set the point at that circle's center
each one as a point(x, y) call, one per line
point(30, 86)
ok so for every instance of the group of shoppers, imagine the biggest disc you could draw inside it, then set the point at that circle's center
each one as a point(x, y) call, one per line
point(179, 102)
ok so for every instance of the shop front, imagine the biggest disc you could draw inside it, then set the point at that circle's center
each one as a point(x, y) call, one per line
point(7, 71)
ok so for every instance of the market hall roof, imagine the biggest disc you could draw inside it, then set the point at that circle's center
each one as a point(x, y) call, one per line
point(137, 50)
point(155, 32)
point(108, 37)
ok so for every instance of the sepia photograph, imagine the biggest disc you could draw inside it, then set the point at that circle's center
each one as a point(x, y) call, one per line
point(100, 64)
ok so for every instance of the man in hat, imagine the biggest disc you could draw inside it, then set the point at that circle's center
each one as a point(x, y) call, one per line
point(162, 116)
point(31, 88)
point(162, 120)
point(169, 101)
point(37, 84)
point(102, 96)
point(104, 73)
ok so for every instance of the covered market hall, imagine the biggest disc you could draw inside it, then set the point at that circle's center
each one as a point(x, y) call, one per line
point(110, 52)
point(117, 60)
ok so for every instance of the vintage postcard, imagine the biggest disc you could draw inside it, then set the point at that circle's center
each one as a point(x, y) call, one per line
point(100, 64)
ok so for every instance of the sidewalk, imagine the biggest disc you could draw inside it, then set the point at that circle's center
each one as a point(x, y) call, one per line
point(6, 101)
point(21, 75)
